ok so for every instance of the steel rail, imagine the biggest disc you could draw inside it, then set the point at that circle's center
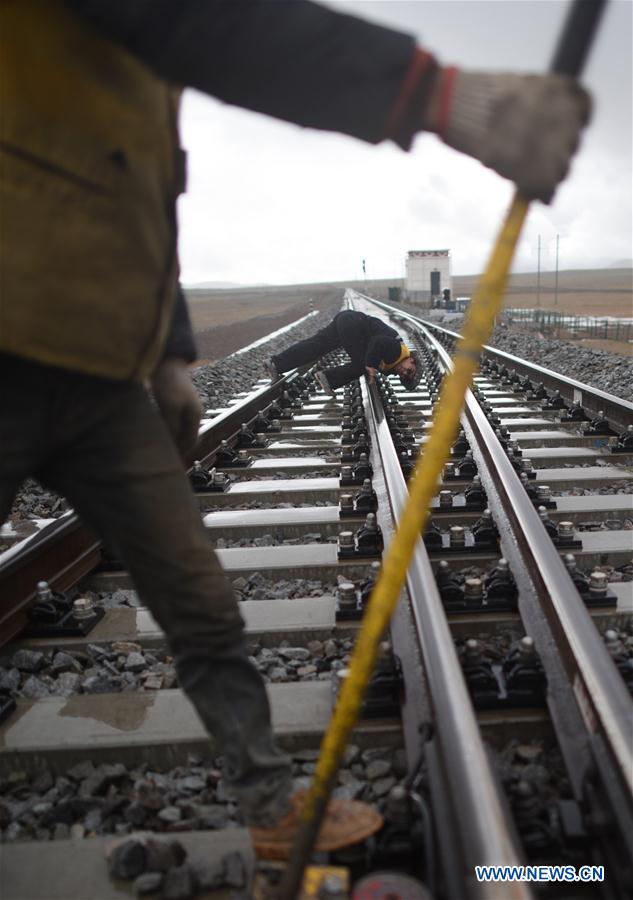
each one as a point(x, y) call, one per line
point(483, 831)
point(67, 550)
point(591, 694)
point(585, 655)
point(595, 400)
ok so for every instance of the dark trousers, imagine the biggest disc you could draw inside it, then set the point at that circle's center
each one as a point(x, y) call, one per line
point(102, 444)
point(348, 330)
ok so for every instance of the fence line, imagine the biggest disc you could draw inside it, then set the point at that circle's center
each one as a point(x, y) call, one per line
point(607, 327)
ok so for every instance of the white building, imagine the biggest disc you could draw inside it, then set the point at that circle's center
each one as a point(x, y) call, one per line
point(428, 275)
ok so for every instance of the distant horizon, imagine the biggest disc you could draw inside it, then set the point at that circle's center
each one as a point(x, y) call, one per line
point(624, 265)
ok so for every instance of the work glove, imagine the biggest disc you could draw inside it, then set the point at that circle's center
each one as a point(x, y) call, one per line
point(525, 127)
point(178, 402)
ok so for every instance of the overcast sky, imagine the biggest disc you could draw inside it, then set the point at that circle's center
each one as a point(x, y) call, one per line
point(269, 202)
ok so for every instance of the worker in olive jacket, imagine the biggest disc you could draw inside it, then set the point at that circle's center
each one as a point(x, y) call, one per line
point(371, 345)
point(90, 169)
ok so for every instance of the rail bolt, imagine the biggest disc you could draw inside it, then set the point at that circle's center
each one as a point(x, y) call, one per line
point(346, 504)
point(598, 584)
point(543, 492)
point(457, 536)
point(527, 651)
point(446, 499)
point(473, 590)
point(472, 650)
point(565, 532)
point(346, 544)
point(83, 608)
point(347, 599)
point(44, 592)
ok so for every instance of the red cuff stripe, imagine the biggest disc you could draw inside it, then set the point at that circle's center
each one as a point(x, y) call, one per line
point(446, 96)
point(419, 64)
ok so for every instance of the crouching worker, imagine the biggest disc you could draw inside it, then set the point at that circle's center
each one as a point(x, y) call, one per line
point(372, 346)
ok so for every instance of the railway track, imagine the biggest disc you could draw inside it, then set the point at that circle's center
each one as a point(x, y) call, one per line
point(497, 729)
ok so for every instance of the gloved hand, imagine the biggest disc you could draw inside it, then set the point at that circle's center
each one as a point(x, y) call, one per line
point(525, 127)
point(178, 401)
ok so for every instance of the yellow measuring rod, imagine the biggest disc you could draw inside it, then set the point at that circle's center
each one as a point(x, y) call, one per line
point(484, 307)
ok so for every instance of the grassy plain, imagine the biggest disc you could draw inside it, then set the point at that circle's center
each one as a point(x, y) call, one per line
point(229, 318)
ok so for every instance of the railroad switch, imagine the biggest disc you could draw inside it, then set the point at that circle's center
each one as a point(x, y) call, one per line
point(356, 474)
point(624, 443)
point(248, 438)
point(382, 697)
point(367, 541)
point(55, 615)
point(599, 426)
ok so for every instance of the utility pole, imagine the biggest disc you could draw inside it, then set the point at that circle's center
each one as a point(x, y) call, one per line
point(538, 274)
point(556, 277)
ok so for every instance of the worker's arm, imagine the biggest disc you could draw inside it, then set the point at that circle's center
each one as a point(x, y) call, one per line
point(301, 62)
point(291, 59)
